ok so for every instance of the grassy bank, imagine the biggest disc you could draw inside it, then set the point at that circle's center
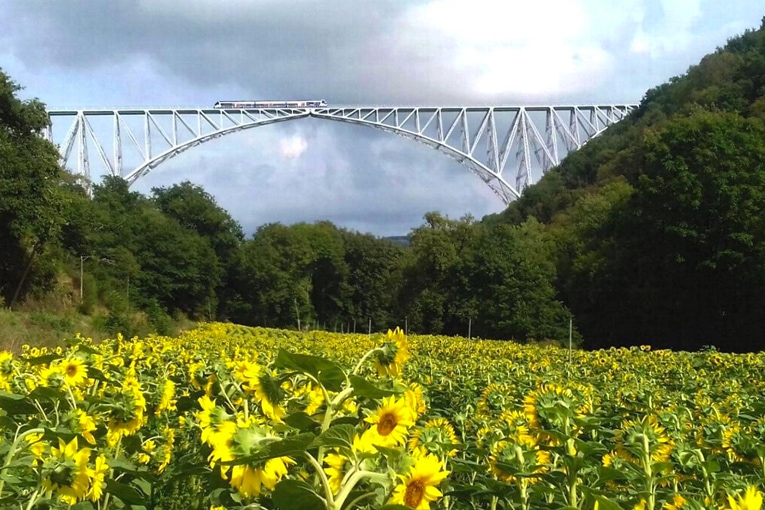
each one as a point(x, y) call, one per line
point(46, 328)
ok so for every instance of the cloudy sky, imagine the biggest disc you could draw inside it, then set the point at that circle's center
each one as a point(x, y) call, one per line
point(96, 53)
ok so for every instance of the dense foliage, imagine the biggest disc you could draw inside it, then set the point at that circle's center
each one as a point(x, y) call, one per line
point(660, 222)
point(231, 417)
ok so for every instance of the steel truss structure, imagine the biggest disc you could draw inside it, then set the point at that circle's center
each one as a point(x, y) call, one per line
point(506, 146)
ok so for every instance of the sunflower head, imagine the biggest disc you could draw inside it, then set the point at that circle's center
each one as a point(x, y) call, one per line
point(66, 472)
point(6, 363)
point(393, 353)
point(646, 431)
point(74, 371)
point(436, 436)
point(419, 486)
point(750, 500)
point(390, 423)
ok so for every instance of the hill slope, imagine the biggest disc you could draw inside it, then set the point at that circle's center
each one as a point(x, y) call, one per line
point(660, 222)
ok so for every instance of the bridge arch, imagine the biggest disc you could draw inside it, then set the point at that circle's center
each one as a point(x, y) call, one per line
point(504, 146)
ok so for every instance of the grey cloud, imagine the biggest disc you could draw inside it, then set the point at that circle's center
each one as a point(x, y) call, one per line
point(275, 52)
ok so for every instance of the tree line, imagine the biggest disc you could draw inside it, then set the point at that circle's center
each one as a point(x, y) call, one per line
point(653, 233)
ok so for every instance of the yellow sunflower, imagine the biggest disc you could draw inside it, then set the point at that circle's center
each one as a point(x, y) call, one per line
point(434, 436)
point(264, 385)
point(415, 398)
point(750, 500)
point(677, 503)
point(85, 425)
point(66, 472)
point(634, 435)
point(75, 372)
point(249, 480)
point(167, 402)
point(128, 415)
point(338, 464)
point(494, 398)
point(36, 445)
point(98, 475)
point(522, 452)
point(392, 355)
point(419, 487)
point(390, 422)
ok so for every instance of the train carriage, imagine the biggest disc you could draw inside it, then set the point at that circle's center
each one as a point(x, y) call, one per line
point(311, 103)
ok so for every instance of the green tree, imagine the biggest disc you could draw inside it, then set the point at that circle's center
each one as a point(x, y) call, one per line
point(374, 277)
point(31, 207)
point(196, 210)
point(680, 263)
point(509, 272)
point(275, 277)
point(426, 296)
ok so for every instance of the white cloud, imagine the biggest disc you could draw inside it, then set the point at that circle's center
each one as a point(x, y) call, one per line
point(530, 49)
point(293, 147)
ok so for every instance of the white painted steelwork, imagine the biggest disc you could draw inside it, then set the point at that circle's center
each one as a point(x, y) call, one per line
point(504, 145)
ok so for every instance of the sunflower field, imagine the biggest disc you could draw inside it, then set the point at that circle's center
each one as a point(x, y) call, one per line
point(229, 417)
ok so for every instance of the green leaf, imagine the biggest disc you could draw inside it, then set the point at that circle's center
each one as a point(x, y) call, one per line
point(39, 360)
point(326, 371)
point(606, 504)
point(45, 393)
point(125, 492)
point(287, 447)
point(16, 405)
point(340, 436)
point(364, 388)
point(82, 505)
point(296, 495)
point(606, 474)
point(96, 374)
point(302, 422)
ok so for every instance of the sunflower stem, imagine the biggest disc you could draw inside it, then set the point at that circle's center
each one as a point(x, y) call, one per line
point(14, 446)
point(331, 407)
point(364, 358)
point(359, 499)
point(323, 478)
point(356, 478)
point(33, 499)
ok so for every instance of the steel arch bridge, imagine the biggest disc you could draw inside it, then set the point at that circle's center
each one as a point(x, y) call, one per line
point(506, 146)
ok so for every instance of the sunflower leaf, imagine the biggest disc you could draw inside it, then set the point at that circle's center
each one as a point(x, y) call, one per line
point(606, 504)
point(364, 388)
point(302, 422)
point(340, 436)
point(290, 446)
point(15, 405)
point(296, 495)
point(325, 371)
point(125, 492)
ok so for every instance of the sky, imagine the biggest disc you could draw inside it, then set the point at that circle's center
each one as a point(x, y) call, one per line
point(139, 53)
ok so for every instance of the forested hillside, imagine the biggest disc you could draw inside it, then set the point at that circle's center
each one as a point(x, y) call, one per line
point(660, 223)
point(653, 233)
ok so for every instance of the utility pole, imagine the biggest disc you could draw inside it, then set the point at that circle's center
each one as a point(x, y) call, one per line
point(83, 258)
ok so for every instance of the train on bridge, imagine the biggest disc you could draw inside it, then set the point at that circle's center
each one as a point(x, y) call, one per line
point(311, 103)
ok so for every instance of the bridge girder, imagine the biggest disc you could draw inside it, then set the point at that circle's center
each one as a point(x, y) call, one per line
point(506, 146)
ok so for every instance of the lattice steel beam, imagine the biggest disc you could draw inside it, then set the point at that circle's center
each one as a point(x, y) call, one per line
point(533, 138)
